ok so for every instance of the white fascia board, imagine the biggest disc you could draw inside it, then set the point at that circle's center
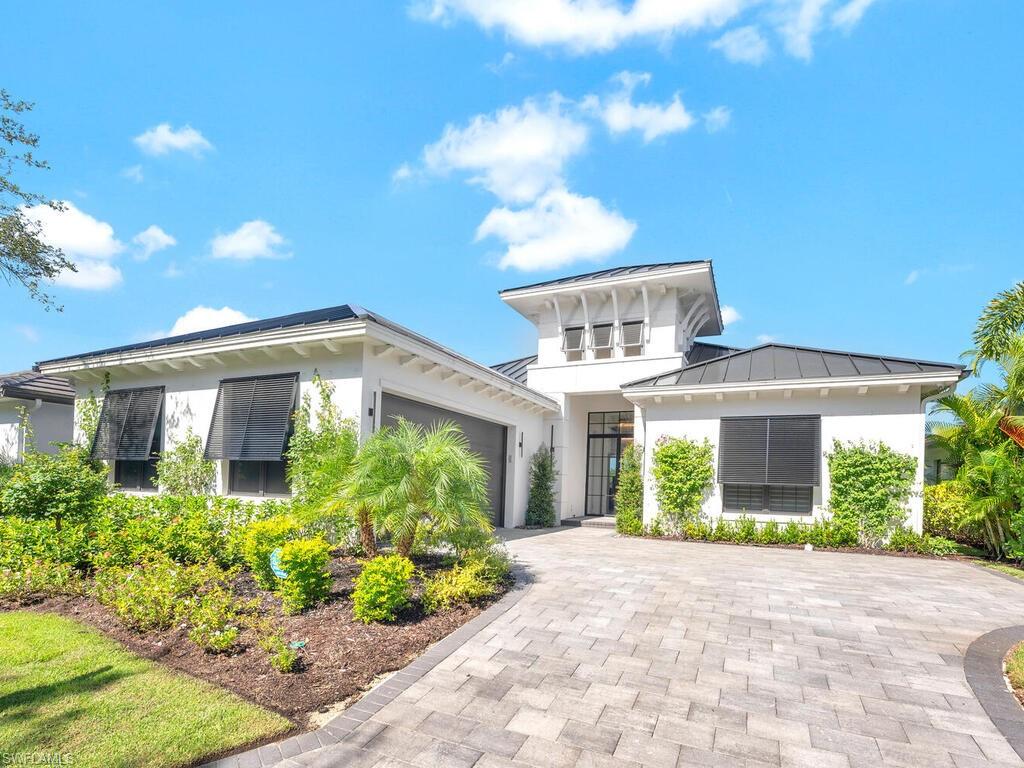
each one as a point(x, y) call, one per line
point(345, 330)
point(457, 363)
point(847, 382)
point(605, 283)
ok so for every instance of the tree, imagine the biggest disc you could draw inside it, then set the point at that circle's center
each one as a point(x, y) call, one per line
point(629, 493)
point(63, 487)
point(1000, 321)
point(406, 475)
point(24, 257)
point(540, 508)
point(183, 471)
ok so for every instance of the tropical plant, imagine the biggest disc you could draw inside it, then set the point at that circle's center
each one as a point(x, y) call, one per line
point(629, 493)
point(945, 508)
point(184, 471)
point(995, 479)
point(406, 475)
point(1000, 321)
point(683, 472)
point(540, 508)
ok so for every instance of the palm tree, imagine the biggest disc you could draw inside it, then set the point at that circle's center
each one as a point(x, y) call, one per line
point(993, 477)
point(1000, 321)
point(406, 475)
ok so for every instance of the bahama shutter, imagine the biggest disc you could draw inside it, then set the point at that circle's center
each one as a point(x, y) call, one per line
point(127, 423)
point(602, 336)
point(743, 450)
point(251, 418)
point(573, 341)
point(794, 450)
point(632, 334)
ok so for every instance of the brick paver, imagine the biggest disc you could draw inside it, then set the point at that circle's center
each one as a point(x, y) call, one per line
point(629, 652)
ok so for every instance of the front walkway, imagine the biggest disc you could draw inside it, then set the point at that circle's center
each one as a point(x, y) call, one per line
point(627, 652)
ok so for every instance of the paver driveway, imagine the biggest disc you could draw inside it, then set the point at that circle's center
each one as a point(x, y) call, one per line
point(628, 652)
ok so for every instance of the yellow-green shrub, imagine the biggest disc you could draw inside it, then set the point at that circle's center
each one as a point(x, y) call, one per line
point(308, 582)
point(459, 584)
point(260, 539)
point(383, 588)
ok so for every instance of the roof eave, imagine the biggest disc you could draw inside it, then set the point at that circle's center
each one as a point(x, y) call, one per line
point(845, 382)
point(545, 289)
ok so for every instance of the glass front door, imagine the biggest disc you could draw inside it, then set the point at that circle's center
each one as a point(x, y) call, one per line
point(609, 433)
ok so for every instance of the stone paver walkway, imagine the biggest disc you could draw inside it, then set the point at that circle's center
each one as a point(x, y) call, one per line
point(629, 652)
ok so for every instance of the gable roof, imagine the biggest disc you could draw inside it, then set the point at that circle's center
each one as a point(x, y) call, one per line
point(515, 369)
point(601, 274)
point(784, 362)
point(29, 385)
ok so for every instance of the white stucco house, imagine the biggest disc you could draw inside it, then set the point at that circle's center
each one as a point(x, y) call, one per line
point(46, 402)
point(620, 358)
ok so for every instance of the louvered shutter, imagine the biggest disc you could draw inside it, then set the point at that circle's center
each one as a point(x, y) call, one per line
point(632, 334)
point(573, 341)
point(743, 450)
point(251, 418)
point(794, 450)
point(602, 336)
point(127, 422)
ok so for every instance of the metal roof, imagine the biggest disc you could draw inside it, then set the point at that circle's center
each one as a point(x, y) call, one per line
point(29, 385)
point(312, 317)
point(639, 269)
point(783, 362)
point(701, 352)
point(515, 369)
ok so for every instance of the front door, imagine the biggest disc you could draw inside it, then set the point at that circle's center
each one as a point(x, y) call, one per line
point(609, 433)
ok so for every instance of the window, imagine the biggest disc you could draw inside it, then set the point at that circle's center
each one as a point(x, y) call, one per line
point(601, 341)
point(129, 434)
point(777, 499)
point(250, 429)
point(632, 338)
point(572, 343)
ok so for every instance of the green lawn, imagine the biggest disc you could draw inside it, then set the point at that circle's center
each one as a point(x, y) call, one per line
point(65, 688)
point(1004, 568)
point(1015, 667)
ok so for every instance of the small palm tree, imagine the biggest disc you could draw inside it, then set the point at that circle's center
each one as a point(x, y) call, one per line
point(406, 475)
point(994, 479)
point(1000, 321)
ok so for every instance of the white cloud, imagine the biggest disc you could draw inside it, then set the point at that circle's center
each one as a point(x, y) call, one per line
point(173, 271)
point(133, 173)
point(162, 138)
point(203, 318)
point(767, 338)
point(620, 114)
point(730, 315)
point(717, 119)
point(151, 240)
point(517, 153)
point(402, 173)
point(849, 15)
point(584, 26)
point(27, 332)
point(256, 239)
point(560, 228)
point(506, 61)
point(912, 277)
point(84, 240)
point(744, 45)
point(798, 22)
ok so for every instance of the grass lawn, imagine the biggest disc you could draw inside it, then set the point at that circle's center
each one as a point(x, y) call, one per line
point(1003, 568)
point(66, 689)
point(1015, 669)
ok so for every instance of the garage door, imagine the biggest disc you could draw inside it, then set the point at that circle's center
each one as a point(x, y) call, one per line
point(486, 439)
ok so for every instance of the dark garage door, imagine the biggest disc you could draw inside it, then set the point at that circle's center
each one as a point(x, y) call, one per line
point(485, 438)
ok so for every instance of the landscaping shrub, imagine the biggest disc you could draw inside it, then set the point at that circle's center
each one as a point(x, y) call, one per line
point(183, 470)
point(39, 540)
point(30, 579)
point(459, 584)
point(683, 472)
point(698, 529)
point(540, 508)
point(793, 533)
point(260, 539)
point(723, 531)
point(63, 487)
point(870, 487)
point(215, 619)
point(769, 533)
point(908, 540)
point(830, 533)
point(745, 530)
point(382, 589)
point(946, 513)
point(629, 495)
point(308, 581)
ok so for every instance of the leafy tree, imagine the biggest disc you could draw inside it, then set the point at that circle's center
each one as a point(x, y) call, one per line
point(629, 493)
point(183, 471)
point(683, 472)
point(24, 257)
point(540, 508)
point(64, 486)
point(406, 475)
point(1000, 321)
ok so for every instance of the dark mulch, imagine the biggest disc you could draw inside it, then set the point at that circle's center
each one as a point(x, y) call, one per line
point(341, 656)
point(851, 550)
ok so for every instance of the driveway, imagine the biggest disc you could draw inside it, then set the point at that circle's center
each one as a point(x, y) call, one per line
point(627, 652)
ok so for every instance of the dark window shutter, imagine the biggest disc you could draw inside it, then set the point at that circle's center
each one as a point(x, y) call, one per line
point(573, 340)
point(794, 450)
point(632, 334)
point(743, 450)
point(252, 417)
point(790, 499)
point(127, 423)
point(602, 336)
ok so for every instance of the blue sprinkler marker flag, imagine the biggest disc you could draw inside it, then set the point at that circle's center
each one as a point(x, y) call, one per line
point(275, 564)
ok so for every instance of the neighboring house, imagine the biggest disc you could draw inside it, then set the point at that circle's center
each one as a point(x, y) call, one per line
point(618, 360)
point(938, 464)
point(48, 404)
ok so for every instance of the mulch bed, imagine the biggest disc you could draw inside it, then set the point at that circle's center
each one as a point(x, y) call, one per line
point(851, 550)
point(341, 657)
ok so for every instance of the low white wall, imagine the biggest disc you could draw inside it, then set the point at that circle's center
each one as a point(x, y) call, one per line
point(50, 422)
point(891, 418)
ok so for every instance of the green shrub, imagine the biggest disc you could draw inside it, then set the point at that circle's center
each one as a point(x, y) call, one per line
point(794, 533)
point(656, 529)
point(745, 530)
point(908, 540)
point(769, 533)
point(184, 471)
point(631, 526)
point(31, 579)
point(457, 585)
point(64, 487)
point(870, 487)
point(683, 472)
point(945, 513)
point(308, 581)
point(214, 618)
point(698, 529)
point(22, 539)
point(540, 507)
point(629, 494)
point(830, 533)
point(260, 539)
point(382, 589)
point(723, 531)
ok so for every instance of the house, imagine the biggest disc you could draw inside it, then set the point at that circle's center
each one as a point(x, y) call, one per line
point(621, 358)
point(45, 403)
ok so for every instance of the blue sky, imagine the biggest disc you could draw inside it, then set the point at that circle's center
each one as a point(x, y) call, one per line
point(853, 168)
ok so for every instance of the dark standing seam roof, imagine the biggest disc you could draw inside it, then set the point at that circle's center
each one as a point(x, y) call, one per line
point(701, 352)
point(782, 362)
point(515, 369)
point(29, 385)
point(603, 273)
